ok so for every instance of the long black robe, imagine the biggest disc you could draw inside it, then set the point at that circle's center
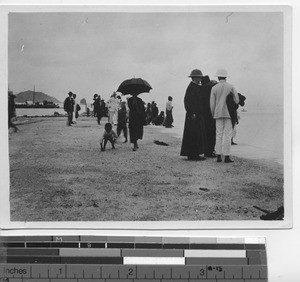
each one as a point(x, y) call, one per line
point(136, 118)
point(193, 142)
point(209, 121)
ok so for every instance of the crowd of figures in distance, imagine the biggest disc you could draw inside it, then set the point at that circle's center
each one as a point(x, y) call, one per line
point(111, 108)
point(132, 111)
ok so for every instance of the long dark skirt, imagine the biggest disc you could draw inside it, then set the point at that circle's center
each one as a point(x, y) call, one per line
point(193, 142)
point(136, 132)
point(169, 119)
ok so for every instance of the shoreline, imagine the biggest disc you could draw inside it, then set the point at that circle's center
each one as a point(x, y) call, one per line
point(242, 150)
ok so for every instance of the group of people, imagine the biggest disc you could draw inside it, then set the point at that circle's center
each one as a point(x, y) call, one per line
point(134, 113)
point(72, 108)
point(210, 117)
point(152, 116)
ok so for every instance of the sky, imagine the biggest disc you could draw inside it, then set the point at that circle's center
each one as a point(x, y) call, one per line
point(89, 53)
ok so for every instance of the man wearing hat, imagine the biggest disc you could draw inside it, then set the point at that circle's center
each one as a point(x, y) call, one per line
point(193, 142)
point(69, 107)
point(221, 114)
point(112, 105)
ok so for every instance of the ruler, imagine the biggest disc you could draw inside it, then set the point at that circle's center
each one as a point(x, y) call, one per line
point(132, 259)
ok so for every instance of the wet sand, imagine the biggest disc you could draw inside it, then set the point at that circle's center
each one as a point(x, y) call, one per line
point(58, 173)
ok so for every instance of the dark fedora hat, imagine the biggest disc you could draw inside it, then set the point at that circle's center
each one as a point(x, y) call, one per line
point(195, 73)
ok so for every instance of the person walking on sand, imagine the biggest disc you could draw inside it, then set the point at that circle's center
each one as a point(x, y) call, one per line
point(136, 119)
point(220, 113)
point(112, 105)
point(95, 105)
point(169, 116)
point(99, 108)
point(193, 141)
point(154, 112)
point(148, 114)
point(69, 108)
point(122, 121)
point(76, 109)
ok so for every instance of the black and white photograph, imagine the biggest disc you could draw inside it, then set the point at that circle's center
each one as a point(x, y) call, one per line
point(153, 115)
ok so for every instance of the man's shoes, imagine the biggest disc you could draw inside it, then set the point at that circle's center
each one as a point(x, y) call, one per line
point(219, 158)
point(228, 160)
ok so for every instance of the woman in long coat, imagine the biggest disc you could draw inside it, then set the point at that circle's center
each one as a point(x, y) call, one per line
point(136, 119)
point(193, 142)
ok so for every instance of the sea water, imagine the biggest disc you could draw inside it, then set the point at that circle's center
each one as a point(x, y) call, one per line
point(31, 112)
point(259, 132)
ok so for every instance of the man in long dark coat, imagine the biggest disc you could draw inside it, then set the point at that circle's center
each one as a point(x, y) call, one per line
point(193, 142)
point(69, 107)
point(209, 121)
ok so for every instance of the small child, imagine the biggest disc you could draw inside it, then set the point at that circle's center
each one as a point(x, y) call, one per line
point(108, 135)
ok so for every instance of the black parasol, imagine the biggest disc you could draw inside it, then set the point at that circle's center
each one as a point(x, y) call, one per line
point(134, 86)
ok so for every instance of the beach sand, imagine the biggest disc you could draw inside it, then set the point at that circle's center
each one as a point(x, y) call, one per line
point(58, 173)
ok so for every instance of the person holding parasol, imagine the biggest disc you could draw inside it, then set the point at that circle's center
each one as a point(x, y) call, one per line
point(137, 114)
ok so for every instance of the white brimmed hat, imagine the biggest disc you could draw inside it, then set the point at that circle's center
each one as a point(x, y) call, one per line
point(221, 73)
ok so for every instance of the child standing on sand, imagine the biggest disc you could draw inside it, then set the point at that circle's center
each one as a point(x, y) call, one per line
point(108, 135)
point(122, 121)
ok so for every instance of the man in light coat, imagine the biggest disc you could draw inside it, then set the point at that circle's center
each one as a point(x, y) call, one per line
point(220, 113)
point(112, 105)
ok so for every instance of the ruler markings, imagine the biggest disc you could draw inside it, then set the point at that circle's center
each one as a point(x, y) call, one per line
point(256, 256)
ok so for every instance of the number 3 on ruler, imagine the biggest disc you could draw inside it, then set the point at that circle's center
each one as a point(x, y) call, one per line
point(202, 272)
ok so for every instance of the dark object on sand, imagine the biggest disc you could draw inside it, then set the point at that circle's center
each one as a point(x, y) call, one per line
point(134, 86)
point(204, 189)
point(160, 143)
point(276, 215)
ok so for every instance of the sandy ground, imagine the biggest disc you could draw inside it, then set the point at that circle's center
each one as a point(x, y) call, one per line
point(58, 173)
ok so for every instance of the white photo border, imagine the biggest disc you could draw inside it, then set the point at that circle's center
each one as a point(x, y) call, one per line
point(5, 222)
